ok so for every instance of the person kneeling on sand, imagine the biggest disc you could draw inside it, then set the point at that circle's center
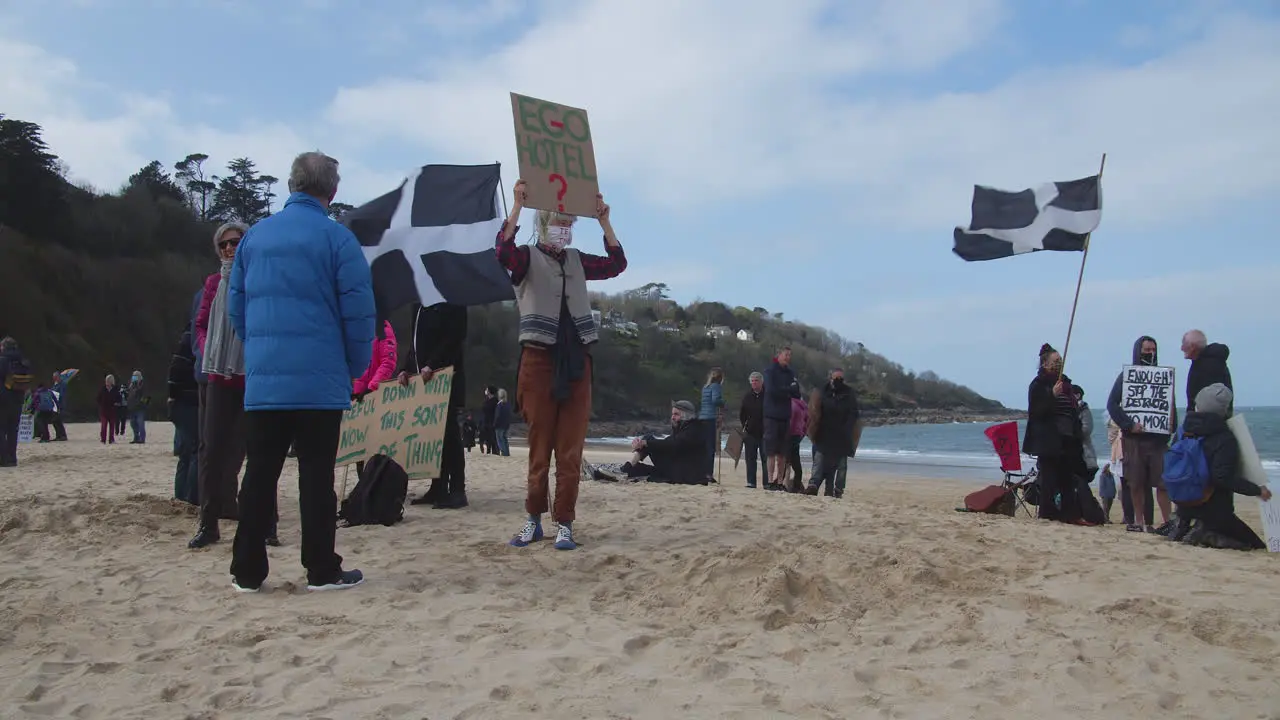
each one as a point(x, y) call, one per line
point(1213, 522)
point(679, 458)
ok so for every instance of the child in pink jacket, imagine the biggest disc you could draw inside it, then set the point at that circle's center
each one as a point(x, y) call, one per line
point(383, 365)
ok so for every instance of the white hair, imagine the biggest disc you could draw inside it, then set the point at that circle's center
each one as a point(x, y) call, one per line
point(315, 174)
point(1195, 339)
point(502, 394)
point(547, 217)
point(756, 376)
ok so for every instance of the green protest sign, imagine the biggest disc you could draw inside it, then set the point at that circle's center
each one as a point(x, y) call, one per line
point(405, 423)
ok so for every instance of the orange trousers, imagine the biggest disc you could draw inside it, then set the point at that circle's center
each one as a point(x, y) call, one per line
point(554, 427)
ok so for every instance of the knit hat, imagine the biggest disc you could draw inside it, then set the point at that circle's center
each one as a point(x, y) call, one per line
point(1215, 400)
point(685, 407)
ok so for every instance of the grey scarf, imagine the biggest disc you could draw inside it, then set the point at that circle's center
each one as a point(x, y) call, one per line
point(223, 351)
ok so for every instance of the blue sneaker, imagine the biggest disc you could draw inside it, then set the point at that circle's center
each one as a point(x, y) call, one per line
point(564, 538)
point(530, 533)
point(346, 579)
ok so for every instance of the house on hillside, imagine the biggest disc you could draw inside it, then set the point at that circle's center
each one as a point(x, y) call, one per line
point(719, 331)
point(667, 326)
point(746, 336)
point(598, 318)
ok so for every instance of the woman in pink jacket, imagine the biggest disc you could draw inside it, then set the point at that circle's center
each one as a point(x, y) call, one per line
point(799, 424)
point(383, 365)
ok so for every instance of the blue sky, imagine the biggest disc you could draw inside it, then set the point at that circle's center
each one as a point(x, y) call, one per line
point(810, 157)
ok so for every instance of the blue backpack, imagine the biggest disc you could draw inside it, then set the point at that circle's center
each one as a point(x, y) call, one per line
point(1186, 470)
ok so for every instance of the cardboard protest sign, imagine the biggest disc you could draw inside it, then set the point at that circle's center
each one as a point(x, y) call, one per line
point(1251, 469)
point(404, 423)
point(1146, 395)
point(733, 446)
point(26, 428)
point(553, 144)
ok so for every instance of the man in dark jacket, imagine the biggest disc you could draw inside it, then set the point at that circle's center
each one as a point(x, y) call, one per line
point(15, 381)
point(439, 337)
point(1208, 365)
point(1213, 522)
point(184, 413)
point(1143, 450)
point(780, 385)
point(751, 415)
point(679, 458)
point(833, 414)
point(488, 421)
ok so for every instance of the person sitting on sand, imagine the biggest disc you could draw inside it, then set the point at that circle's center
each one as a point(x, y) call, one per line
point(1053, 437)
point(1213, 522)
point(679, 458)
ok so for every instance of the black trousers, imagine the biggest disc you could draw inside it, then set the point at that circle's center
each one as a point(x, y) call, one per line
point(10, 419)
point(222, 451)
point(59, 430)
point(269, 433)
point(453, 458)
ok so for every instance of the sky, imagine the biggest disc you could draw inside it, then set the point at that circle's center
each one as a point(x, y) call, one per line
point(811, 157)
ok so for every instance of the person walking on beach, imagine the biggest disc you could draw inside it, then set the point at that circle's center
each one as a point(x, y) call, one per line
point(108, 401)
point(301, 298)
point(1208, 365)
point(60, 401)
point(553, 386)
point(122, 408)
point(711, 413)
point(780, 386)
point(439, 338)
point(1054, 437)
point(488, 418)
point(137, 408)
point(833, 414)
point(751, 417)
point(1143, 451)
point(502, 424)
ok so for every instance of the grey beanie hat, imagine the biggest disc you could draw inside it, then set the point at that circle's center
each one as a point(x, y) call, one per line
point(1215, 400)
point(685, 407)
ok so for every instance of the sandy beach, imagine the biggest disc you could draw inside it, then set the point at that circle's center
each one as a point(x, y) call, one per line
point(713, 602)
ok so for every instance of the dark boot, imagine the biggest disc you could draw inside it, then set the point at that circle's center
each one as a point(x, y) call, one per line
point(455, 500)
point(205, 536)
point(433, 495)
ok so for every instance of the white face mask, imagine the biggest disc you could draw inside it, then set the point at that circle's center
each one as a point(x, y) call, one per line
point(558, 238)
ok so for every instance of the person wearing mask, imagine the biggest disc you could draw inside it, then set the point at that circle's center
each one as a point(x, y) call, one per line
point(137, 408)
point(833, 415)
point(780, 386)
point(1143, 451)
point(1054, 437)
point(711, 413)
point(108, 401)
point(676, 459)
point(439, 339)
point(184, 412)
point(557, 330)
point(751, 417)
point(1213, 521)
point(502, 424)
point(222, 447)
point(301, 298)
point(58, 387)
point(1208, 365)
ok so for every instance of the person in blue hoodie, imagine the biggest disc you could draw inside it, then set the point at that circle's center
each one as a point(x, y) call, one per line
point(300, 298)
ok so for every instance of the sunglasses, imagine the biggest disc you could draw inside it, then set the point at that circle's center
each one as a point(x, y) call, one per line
point(224, 244)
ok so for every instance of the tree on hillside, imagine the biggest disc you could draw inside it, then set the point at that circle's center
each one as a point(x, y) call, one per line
point(239, 196)
point(338, 209)
point(268, 195)
point(32, 191)
point(156, 182)
point(190, 175)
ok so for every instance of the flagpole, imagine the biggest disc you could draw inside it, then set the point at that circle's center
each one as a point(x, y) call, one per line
point(503, 190)
point(1080, 279)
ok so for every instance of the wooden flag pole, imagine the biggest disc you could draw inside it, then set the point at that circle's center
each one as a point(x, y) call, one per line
point(1080, 279)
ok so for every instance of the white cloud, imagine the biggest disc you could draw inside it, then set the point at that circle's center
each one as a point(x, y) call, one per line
point(697, 102)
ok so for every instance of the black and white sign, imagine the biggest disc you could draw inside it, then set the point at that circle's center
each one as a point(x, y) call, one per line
point(1146, 396)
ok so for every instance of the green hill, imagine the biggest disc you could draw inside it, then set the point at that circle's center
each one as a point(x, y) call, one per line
point(103, 281)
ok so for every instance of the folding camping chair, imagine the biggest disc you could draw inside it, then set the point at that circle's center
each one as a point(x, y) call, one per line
point(1004, 438)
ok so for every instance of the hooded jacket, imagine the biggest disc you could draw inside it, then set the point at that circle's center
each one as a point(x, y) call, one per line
point(833, 414)
point(1223, 455)
point(383, 365)
point(1209, 368)
point(1119, 416)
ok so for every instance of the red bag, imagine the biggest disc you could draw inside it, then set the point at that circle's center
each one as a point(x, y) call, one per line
point(992, 499)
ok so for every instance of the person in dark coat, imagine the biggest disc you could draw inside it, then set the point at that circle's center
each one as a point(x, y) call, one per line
point(439, 337)
point(184, 413)
point(1053, 437)
point(833, 414)
point(1213, 522)
point(751, 416)
point(469, 432)
point(1143, 449)
point(1208, 365)
point(488, 422)
point(780, 386)
point(677, 459)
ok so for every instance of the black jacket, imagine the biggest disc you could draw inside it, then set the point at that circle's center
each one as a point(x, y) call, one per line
point(1048, 432)
point(779, 387)
point(1119, 416)
point(680, 458)
point(439, 337)
point(832, 416)
point(183, 388)
point(1223, 455)
point(751, 415)
point(1207, 369)
point(8, 360)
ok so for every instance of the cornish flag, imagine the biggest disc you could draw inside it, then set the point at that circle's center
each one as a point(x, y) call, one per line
point(431, 240)
point(1054, 216)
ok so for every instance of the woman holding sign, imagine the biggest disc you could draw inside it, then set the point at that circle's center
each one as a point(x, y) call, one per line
point(1054, 437)
point(553, 385)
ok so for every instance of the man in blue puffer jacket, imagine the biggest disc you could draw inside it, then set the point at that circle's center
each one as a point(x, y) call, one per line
point(301, 300)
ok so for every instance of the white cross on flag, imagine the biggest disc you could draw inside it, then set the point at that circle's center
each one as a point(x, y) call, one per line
point(432, 239)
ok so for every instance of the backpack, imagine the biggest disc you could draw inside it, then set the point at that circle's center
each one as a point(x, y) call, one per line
point(20, 376)
point(993, 500)
point(378, 497)
point(1186, 471)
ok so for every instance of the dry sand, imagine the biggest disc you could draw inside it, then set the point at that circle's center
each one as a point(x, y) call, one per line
point(682, 603)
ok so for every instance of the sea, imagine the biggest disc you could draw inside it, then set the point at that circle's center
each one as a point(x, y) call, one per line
point(962, 451)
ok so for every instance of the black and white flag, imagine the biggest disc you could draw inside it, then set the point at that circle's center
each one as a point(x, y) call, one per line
point(1054, 216)
point(432, 239)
